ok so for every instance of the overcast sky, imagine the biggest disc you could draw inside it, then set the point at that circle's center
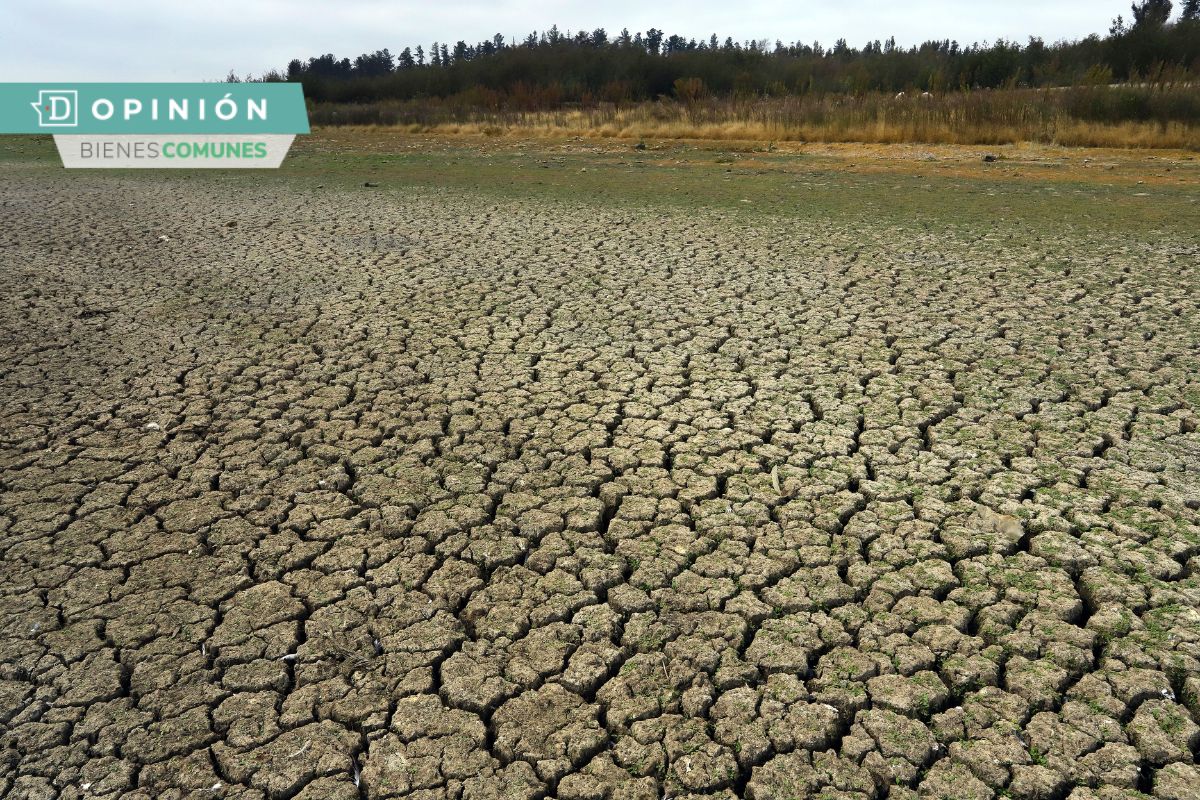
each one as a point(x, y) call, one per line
point(151, 40)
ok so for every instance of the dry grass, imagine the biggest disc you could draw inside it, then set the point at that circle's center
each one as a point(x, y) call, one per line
point(1096, 117)
point(1071, 134)
point(1174, 135)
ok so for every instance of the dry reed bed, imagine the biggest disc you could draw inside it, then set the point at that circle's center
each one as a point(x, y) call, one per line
point(1159, 117)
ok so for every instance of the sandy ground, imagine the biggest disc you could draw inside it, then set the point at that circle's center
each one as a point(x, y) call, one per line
point(329, 491)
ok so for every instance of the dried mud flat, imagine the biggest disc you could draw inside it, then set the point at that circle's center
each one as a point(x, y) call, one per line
point(431, 495)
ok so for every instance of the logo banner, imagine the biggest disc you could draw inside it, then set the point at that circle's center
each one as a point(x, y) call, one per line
point(159, 125)
point(131, 151)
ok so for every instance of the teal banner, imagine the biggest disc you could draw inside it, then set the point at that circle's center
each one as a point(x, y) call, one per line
point(152, 108)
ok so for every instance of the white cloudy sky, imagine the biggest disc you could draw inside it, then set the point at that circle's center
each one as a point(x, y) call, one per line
point(169, 40)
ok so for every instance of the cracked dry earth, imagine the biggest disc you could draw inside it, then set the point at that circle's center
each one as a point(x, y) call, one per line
point(433, 495)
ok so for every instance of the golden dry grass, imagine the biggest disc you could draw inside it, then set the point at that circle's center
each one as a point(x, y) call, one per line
point(1073, 118)
point(1173, 136)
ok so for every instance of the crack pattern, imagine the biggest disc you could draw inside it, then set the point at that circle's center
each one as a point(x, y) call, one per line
point(448, 499)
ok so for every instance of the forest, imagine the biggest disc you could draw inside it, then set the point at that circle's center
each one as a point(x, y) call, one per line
point(1141, 74)
point(552, 67)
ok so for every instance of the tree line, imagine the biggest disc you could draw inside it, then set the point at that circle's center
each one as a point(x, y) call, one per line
point(551, 68)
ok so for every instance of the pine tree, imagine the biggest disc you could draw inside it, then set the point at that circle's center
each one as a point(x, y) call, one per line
point(1191, 10)
point(1151, 13)
point(654, 39)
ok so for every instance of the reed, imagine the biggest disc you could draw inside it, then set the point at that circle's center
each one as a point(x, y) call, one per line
point(1101, 116)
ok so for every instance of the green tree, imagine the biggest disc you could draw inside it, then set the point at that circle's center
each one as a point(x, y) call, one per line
point(370, 65)
point(1151, 13)
point(654, 39)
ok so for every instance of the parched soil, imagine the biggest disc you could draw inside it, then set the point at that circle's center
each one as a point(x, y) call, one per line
point(342, 492)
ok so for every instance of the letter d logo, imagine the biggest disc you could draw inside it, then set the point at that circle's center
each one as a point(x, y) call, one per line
point(57, 108)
